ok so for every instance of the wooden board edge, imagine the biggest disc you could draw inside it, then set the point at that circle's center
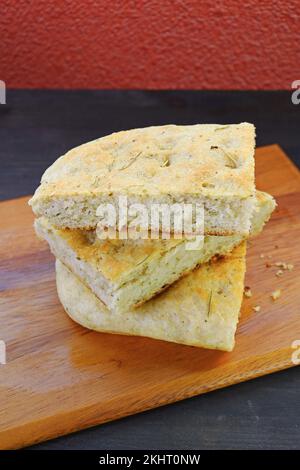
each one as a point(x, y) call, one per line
point(278, 149)
point(55, 426)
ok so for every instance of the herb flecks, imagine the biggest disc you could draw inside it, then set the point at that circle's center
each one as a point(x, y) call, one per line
point(111, 166)
point(232, 163)
point(96, 181)
point(232, 160)
point(131, 161)
point(221, 128)
point(209, 304)
point(165, 163)
point(143, 260)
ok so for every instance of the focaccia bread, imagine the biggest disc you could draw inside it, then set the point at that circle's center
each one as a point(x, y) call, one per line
point(202, 309)
point(126, 273)
point(206, 164)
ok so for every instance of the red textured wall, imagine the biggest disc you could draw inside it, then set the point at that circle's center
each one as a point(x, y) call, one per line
point(150, 44)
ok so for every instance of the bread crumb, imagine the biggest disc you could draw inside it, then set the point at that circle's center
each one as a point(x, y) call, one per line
point(279, 272)
point(276, 294)
point(285, 266)
point(262, 255)
point(257, 308)
point(247, 292)
point(281, 264)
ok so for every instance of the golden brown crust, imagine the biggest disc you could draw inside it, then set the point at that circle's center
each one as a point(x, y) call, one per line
point(198, 157)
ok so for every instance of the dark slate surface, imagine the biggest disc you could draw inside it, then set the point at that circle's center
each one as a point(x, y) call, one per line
point(36, 127)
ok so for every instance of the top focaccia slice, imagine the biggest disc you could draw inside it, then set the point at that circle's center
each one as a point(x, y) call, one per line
point(211, 165)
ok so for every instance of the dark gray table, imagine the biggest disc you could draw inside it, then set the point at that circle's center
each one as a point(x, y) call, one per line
point(38, 126)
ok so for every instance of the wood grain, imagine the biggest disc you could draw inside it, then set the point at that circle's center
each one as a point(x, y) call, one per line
point(60, 377)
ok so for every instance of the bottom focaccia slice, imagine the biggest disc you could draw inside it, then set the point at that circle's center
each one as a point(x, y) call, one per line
point(201, 309)
point(126, 273)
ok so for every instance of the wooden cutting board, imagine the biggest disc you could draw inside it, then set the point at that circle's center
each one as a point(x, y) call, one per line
point(60, 377)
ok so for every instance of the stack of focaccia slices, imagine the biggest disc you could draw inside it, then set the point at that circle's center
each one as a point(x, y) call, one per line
point(111, 285)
